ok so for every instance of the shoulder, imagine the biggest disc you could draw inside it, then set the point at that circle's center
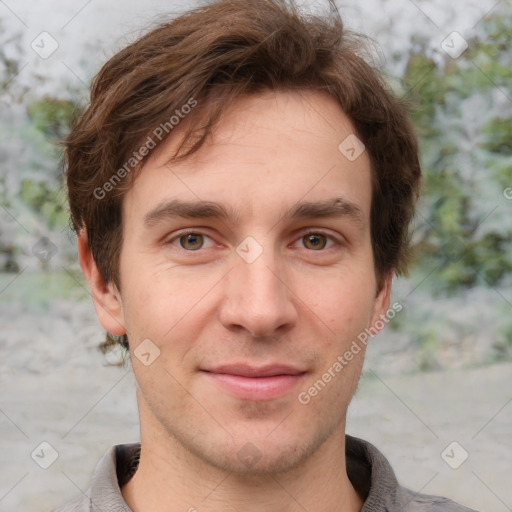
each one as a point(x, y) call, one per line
point(78, 504)
point(414, 502)
point(115, 467)
point(372, 475)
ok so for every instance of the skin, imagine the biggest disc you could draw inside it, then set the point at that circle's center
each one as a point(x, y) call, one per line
point(298, 303)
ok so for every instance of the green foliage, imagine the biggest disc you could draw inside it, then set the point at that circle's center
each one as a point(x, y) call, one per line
point(45, 202)
point(499, 136)
point(37, 290)
point(52, 116)
point(465, 223)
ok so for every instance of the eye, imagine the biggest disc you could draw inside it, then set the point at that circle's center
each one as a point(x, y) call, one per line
point(190, 241)
point(316, 240)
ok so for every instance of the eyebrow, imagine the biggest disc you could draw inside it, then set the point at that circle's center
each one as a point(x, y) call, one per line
point(336, 207)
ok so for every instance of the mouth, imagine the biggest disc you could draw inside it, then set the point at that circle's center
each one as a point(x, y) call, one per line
point(257, 384)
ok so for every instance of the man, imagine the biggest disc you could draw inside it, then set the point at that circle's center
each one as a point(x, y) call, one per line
point(241, 185)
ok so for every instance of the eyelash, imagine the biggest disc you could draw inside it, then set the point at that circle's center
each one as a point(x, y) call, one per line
point(329, 236)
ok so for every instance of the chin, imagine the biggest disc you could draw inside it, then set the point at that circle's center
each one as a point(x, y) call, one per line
point(259, 456)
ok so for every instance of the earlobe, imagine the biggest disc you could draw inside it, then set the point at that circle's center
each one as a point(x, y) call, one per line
point(106, 297)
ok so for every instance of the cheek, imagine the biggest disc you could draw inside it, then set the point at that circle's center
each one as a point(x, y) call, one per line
point(165, 305)
point(344, 305)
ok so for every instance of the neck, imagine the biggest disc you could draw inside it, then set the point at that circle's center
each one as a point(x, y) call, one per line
point(170, 478)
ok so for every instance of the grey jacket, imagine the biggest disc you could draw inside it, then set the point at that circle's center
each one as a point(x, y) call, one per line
point(368, 470)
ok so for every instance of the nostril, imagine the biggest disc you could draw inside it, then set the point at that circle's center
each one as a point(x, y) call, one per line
point(264, 338)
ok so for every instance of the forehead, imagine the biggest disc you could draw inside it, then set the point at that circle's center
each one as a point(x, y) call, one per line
point(267, 149)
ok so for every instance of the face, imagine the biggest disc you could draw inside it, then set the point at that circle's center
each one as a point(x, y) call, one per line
point(246, 272)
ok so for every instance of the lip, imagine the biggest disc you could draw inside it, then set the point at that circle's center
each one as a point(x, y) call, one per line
point(244, 370)
point(257, 384)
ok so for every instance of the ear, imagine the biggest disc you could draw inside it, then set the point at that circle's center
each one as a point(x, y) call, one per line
point(106, 297)
point(382, 300)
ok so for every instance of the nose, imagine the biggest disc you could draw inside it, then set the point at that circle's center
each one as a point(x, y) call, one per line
point(258, 299)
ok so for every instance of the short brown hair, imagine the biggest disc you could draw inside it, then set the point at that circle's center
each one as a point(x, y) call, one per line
point(210, 56)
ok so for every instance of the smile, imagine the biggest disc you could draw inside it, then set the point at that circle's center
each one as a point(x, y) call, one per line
point(259, 385)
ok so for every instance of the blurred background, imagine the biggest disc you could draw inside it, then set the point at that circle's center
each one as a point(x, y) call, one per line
point(441, 371)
